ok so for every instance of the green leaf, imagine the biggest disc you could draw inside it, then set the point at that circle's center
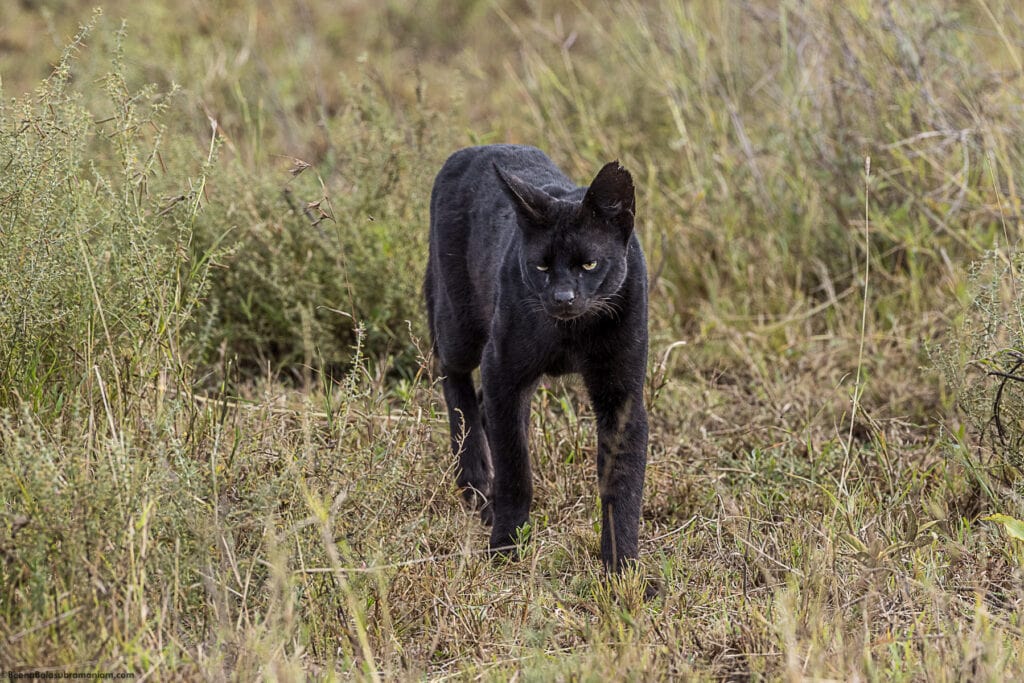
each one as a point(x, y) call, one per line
point(1014, 527)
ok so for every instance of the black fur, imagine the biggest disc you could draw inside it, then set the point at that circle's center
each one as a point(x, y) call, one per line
point(497, 213)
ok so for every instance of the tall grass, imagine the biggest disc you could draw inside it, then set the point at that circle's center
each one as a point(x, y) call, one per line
point(222, 453)
point(753, 121)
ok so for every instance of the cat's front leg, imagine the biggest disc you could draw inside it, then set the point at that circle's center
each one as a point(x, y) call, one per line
point(507, 410)
point(621, 464)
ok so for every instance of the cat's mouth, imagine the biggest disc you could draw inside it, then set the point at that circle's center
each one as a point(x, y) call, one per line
point(565, 312)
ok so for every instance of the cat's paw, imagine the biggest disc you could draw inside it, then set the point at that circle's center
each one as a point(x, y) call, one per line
point(509, 544)
point(473, 497)
point(487, 514)
point(475, 483)
point(628, 580)
point(652, 589)
point(477, 499)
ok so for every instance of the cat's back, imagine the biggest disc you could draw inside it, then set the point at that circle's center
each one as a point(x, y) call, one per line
point(468, 183)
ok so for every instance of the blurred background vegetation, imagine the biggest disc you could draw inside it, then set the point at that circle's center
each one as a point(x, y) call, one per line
point(198, 196)
point(748, 125)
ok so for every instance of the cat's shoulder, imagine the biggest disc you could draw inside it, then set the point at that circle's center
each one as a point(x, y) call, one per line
point(505, 155)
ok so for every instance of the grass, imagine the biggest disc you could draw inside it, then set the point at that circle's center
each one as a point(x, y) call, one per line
point(222, 447)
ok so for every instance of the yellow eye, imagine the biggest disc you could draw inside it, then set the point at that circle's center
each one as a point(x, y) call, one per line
point(590, 266)
point(542, 268)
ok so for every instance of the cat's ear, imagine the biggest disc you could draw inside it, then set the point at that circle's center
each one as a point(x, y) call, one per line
point(531, 202)
point(611, 198)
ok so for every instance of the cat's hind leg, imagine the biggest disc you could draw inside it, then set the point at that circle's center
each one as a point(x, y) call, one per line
point(458, 340)
point(468, 442)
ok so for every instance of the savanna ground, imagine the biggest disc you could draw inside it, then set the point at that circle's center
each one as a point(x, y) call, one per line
point(222, 445)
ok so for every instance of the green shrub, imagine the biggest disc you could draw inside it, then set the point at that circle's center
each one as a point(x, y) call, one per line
point(314, 249)
point(983, 365)
point(94, 291)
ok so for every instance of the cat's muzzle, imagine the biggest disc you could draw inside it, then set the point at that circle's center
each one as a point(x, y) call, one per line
point(565, 310)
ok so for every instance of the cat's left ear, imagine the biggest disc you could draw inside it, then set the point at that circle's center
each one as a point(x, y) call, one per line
point(612, 199)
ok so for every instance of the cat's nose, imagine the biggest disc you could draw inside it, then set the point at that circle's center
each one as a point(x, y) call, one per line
point(564, 296)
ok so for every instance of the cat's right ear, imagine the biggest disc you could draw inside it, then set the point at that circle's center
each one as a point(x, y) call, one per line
point(532, 203)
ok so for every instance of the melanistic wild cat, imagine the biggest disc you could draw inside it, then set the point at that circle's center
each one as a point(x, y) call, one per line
point(531, 275)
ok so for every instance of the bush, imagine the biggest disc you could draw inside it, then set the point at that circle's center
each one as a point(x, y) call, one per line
point(983, 365)
point(95, 292)
point(314, 249)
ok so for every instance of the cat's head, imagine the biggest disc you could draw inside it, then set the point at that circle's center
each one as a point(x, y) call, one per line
point(574, 252)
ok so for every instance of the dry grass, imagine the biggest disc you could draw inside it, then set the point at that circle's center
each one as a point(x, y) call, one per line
point(222, 453)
